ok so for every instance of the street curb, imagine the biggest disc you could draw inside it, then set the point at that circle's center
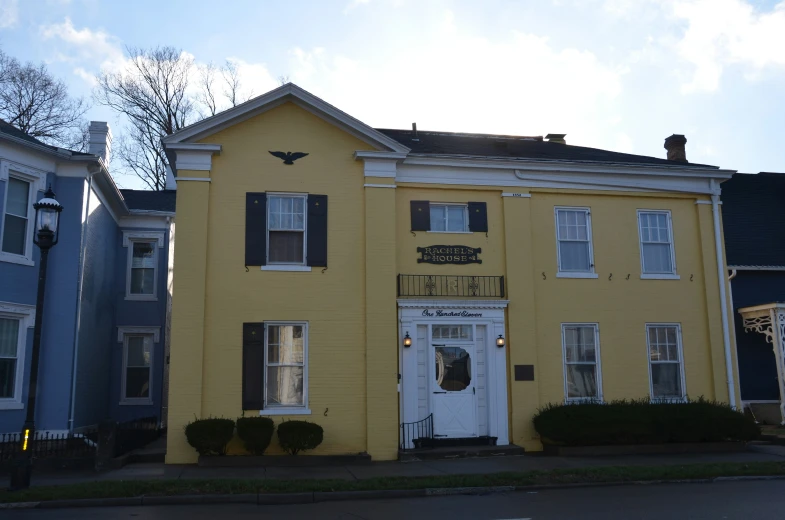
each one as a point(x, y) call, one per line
point(334, 496)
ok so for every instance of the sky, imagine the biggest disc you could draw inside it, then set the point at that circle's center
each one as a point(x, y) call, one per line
point(620, 75)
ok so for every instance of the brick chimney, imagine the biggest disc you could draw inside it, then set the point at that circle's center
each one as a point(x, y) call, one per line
point(100, 140)
point(675, 146)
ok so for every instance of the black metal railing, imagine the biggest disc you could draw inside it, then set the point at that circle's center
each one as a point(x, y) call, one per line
point(449, 285)
point(135, 434)
point(417, 435)
point(48, 445)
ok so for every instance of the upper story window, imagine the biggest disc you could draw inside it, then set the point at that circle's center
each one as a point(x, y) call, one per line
point(17, 216)
point(656, 236)
point(286, 229)
point(450, 218)
point(666, 369)
point(142, 271)
point(573, 235)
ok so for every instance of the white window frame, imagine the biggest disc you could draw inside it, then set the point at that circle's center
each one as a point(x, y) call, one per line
point(574, 274)
point(123, 333)
point(287, 266)
point(683, 397)
point(129, 238)
point(597, 363)
point(36, 180)
point(658, 276)
point(445, 204)
point(287, 410)
point(26, 316)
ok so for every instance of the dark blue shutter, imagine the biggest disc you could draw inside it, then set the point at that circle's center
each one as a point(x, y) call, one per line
point(478, 217)
point(421, 215)
point(317, 231)
point(255, 228)
point(253, 366)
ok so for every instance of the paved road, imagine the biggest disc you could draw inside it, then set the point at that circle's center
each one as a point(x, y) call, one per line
point(718, 501)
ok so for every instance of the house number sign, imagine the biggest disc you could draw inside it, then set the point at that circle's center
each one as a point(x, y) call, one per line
point(449, 255)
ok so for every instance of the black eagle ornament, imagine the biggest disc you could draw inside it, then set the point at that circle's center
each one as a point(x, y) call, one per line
point(289, 157)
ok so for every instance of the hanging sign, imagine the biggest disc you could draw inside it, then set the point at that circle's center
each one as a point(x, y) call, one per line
point(449, 255)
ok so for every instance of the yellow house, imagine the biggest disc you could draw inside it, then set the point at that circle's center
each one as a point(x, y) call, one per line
point(370, 280)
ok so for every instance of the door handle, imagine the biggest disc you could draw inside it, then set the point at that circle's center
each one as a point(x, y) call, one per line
point(440, 392)
point(474, 391)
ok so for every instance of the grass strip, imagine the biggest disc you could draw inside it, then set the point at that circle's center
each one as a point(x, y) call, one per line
point(136, 488)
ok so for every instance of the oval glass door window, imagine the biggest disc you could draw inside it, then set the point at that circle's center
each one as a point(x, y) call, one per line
point(453, 368)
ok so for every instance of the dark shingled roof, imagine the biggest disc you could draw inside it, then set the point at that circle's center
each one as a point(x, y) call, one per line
point(9, 129)
point(150, 200)
point(451, 143)
point(753, 216)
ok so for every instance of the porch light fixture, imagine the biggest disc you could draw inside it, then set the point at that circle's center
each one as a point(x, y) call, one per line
point(500, 341)
point(407, 340)
point(47, 220)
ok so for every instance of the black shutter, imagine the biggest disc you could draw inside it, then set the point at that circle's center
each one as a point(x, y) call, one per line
point(253, 366)
point(255, 228)
point(421, 215)
point(478, 217)
point(317, 231)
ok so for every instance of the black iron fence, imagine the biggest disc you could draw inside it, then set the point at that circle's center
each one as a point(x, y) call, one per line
point(417, 435)
point(448, 285)
point(46, 445)
point(135, 434)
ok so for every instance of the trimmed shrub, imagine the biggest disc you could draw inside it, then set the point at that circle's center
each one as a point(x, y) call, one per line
point(640, 421)
point(256, 433)
point(210, 436)
point(297, 436)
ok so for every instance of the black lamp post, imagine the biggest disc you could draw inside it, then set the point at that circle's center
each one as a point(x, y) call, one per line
point(47, 228)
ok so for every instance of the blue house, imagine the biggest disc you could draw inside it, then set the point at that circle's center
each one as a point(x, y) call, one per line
point(754, 222)
point(108, 289)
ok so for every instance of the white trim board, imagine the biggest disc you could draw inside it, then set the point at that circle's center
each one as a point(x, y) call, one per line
point(138, 329)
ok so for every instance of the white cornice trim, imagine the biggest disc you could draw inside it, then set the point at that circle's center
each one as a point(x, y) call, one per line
point(288, 92)
point(453, 304)
point(757, 267)
point(705, 202)
point(365, 154)
point(201, 147)
point(138, 329)
point(34, 175)
point(380, 186)
point(131, 236)
point(197, 179)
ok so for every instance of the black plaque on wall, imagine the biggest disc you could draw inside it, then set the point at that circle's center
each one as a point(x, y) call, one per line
point(449, 255)
point(524, 372)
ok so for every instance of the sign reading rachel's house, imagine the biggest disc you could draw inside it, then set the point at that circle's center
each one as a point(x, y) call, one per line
point(449, 255)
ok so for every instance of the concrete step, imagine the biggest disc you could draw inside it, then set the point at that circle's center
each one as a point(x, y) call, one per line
point(459, 452)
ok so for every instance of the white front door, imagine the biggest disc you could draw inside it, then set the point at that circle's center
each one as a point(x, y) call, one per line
point(453, 385)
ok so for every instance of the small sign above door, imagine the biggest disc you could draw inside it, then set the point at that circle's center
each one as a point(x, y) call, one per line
point(449, 255)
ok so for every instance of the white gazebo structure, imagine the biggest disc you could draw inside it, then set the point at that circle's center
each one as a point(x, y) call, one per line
point(769, 319)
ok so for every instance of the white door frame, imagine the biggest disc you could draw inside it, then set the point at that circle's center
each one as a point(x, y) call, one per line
point(490, 313)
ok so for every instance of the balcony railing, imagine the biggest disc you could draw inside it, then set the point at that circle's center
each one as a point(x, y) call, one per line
point(449, 285)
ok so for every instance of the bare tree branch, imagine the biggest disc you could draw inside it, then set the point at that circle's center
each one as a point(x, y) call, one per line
point(283, 79)
point(37, 103)
point(206, 94)
point(231, 76)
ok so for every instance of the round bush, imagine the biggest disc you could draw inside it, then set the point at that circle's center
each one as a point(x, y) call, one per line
point(256, 433)
point(210, 436)
point(297, 436)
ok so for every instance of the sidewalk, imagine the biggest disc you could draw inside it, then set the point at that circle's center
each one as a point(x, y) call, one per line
point(485, 465)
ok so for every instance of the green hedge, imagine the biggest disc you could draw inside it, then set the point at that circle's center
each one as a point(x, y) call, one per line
point(297, 436)
point(256, 433)
point(210, 436)
point(642, 422)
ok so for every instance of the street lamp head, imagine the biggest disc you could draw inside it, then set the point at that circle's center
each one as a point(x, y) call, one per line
point(47, 220)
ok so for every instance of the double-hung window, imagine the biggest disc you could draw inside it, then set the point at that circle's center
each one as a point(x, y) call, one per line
point(9, 356)
point(574, 250)
point(137, 368)
point(666, 368)
point(656, 236)
point(16, 218)
point(582, 379)
point(286, 229)
point(285, 365)
point(449, 218)
point(142, 267)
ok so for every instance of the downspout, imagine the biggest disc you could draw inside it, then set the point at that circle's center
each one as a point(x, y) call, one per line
point(721, 274)
point(78, 319)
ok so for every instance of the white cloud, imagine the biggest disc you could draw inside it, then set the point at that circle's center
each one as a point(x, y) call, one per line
point(93, 50)
point(9, 13)
point(353, 4)
point(513, 84)
point(728, 32)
